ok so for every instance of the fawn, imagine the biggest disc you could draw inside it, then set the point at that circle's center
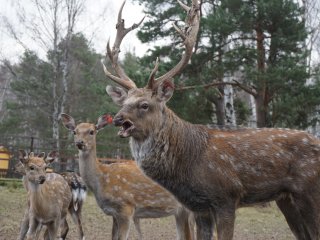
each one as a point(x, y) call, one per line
point(49, 199)
point(77, 188)
point(121, 189)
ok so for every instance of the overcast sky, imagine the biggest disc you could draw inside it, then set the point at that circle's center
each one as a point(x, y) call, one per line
point(97, 22)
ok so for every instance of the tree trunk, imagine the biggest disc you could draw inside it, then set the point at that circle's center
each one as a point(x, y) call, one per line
point(230, 117)
point(261, 110)
point(261, 101)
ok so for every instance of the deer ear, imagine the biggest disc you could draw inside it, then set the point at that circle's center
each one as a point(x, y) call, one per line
point(117, 94)
point(23, 157)
point(53, 155)
point(68, 121)
point(41, 155)
point(103, 120)
point(165, 90)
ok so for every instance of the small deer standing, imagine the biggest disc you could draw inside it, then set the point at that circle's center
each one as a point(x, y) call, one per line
point(49, 197)
point(212, 170)
point(78, 190)
point(121, 189)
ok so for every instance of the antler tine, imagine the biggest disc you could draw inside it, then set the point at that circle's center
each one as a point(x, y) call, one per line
point(189, 37)
point(113, 54)
point(152, 75)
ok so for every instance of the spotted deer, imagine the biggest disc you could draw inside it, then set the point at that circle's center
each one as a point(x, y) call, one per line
point(121, 189)
point(211, 170)
point(49, 197)
point(78, 190)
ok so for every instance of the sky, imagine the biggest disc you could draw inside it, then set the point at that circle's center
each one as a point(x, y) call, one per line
point(97, 22)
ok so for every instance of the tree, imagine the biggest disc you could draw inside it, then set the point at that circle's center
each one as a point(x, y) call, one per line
point(52, 21)
point(258, 45)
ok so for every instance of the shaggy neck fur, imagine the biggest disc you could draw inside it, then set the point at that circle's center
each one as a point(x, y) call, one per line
point(172, 147)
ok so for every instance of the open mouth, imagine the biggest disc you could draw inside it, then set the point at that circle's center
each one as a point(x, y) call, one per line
point(80, 146)
point(126, 129)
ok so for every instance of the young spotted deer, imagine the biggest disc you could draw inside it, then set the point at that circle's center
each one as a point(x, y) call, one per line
point(78, 189)
point(49, 197)
point(121, 189)
point(213, 171)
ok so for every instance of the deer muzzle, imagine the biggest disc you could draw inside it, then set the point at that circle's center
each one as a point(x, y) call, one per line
point(42, 179)
point(126, 126)
point(79, 144)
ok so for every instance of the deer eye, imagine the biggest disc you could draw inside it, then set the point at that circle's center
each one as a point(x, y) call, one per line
point(144, 106)
point(91, 132)
point(74, 132)
point(31, 168)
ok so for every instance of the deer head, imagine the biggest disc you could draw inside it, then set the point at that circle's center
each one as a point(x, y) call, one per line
point(142, 107)
point(85, 133)
point(34, 167)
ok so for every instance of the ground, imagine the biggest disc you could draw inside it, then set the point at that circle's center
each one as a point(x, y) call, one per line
point(254, 223)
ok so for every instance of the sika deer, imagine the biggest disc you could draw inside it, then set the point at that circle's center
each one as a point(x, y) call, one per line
point(121, 190)
point(78, 190)
point(214, 171)
point(49, 197)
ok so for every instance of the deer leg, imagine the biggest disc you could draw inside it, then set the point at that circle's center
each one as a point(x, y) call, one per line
point(205, 225)
point(64, 228)
point(24, 225)
point(33, 225)
point(294, 218)
point(225, 218)
point(124, 226)
point(53, 229)
point(308, 205)
point(136, 222)
point(185, 228)
point(76, 217)
point(38, 231)
point(115, 229)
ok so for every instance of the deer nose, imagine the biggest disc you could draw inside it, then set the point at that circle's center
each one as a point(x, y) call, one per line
point(79, 144)
point(118, 120)
point(42, 179)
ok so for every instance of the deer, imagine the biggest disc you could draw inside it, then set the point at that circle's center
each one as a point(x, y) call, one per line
point(78, 190)
point(214, 170)
point(120, 188)
point(49, 197)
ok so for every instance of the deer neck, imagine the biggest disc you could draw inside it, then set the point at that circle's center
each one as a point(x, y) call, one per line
point(174, 144)
point(89, 169)
point(37, 196)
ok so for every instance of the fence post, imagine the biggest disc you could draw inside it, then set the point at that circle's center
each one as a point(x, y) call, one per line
point(31, 145)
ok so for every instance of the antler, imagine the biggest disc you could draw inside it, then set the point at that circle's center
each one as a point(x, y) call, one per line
point(189, 37)
point(122, 79)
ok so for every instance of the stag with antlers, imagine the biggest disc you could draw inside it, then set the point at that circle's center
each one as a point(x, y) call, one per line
point(212, 170)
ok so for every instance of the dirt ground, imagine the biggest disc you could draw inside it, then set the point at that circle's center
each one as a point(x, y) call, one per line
point(251, 223)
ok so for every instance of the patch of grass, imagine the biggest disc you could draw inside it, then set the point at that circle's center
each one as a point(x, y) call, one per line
point(254, 223)
point(11, 183)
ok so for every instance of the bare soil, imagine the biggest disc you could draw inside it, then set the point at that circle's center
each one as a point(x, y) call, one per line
point(254, 223)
